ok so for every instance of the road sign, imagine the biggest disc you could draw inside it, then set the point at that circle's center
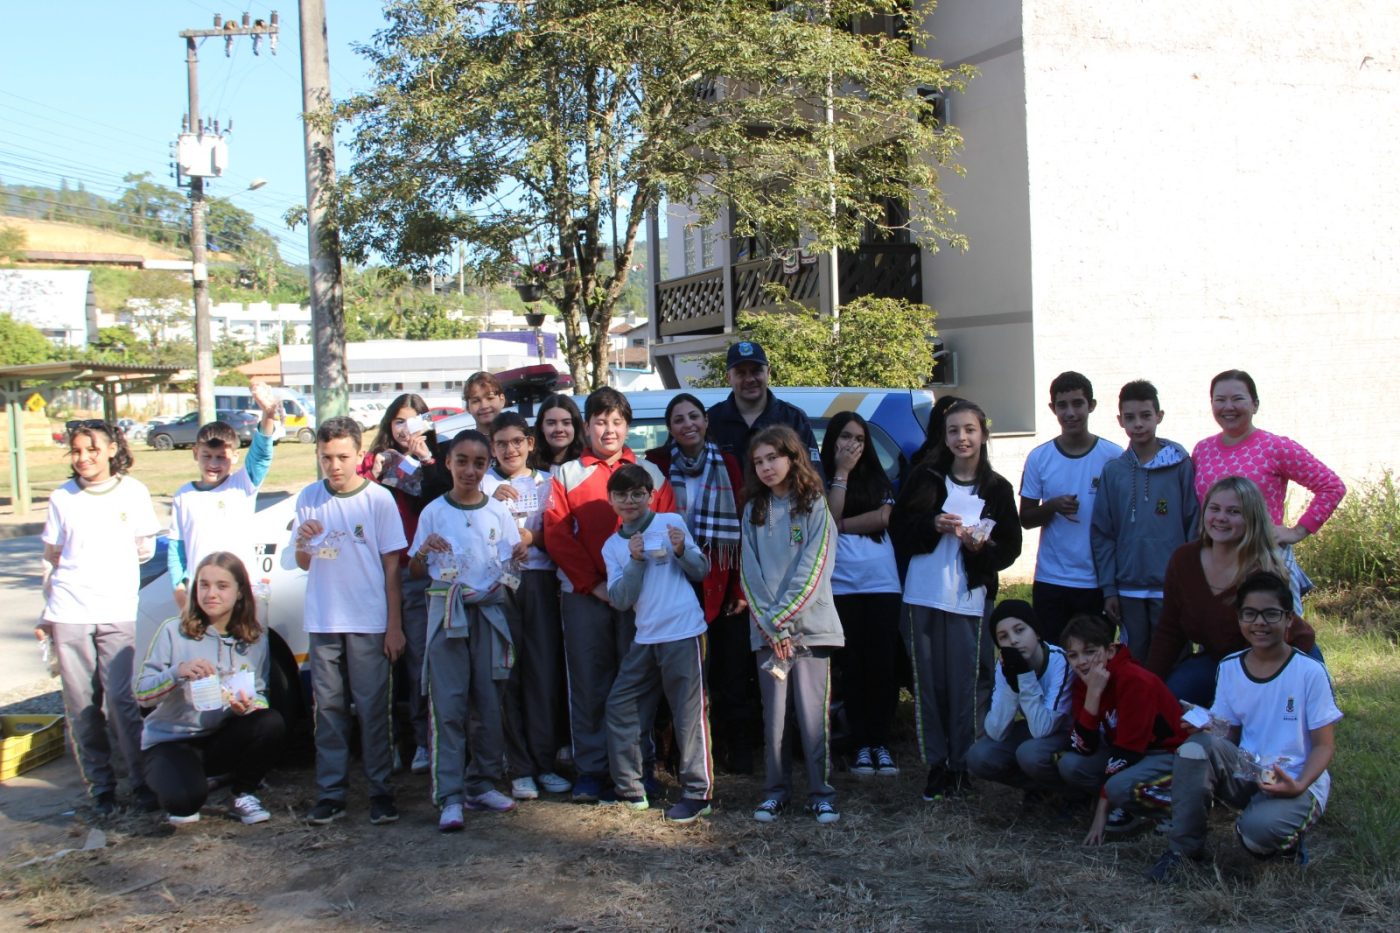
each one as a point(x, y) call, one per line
point(35, 402)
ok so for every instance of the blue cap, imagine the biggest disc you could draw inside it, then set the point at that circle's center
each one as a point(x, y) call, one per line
point(745, 351)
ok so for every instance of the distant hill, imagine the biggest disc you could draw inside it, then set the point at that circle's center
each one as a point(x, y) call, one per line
point(55, 236)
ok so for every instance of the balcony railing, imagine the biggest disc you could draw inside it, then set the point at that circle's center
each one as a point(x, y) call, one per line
point(695, 304)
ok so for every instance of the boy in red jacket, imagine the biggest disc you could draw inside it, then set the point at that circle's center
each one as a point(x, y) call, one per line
point(1127, 725)
point(596, 634)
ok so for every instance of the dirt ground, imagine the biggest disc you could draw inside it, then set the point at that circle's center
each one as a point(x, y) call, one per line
point(893, 862)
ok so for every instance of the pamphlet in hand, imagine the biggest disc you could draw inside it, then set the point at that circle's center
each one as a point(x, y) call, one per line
point(402, 472)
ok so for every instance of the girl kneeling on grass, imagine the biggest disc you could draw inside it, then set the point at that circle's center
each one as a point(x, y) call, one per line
point(206, 675)
point(787, 558)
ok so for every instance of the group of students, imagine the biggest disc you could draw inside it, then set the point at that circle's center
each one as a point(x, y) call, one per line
point(548, 590)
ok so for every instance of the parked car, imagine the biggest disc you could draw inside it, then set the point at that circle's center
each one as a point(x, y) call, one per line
point(183, 431)
point(367, 413)
point(442, 411)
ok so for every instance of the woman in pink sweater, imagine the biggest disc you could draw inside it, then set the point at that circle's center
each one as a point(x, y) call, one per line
point(1270, 460)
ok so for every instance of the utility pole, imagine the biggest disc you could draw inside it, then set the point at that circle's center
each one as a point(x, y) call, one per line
point(201, 157)
point(327, 300)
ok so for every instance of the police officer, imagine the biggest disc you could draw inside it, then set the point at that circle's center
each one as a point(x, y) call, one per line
point(752, 406)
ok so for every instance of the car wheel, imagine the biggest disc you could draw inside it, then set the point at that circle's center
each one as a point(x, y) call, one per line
point(284, 694)
point(162, 442)
point(306, 436)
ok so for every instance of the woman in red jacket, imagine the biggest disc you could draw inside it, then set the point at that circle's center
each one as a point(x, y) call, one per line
point(708, 486)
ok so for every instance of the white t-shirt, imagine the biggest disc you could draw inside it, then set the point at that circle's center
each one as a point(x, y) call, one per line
point(667, 608)
point(345, 585)
point(1276, 716)
point(1066, 557)
point(540, 485)
point(938, 580)
point(218, 519)
point(482, 537)
point(98, 577)
point(864, 566)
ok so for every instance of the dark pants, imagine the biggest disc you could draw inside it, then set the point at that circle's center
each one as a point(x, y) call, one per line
point(735, 708)
point(1055, 605)
point(245, 746)
point(867, 664)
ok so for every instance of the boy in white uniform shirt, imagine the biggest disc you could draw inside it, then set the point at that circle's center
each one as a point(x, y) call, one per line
point(652, 563)
point(1275, 704)
point(348, 535)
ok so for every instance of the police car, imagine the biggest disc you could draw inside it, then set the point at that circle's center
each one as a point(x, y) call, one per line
point(898, 421)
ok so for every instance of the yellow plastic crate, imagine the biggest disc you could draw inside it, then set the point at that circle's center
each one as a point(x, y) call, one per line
point(29, 741)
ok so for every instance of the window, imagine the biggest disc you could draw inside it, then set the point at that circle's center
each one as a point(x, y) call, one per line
point(398, 387)
point(422, 387)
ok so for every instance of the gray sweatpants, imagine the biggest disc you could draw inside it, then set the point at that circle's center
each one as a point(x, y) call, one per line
point(1139, 621)
point(944, 652)
point(1019, 759)
point(808, 686)
point(465, 705)
point(95, 663)
point(1144, 788)
point(534, 691)
point(596, 639)
point(414, 596)
point(1204, 769)
point(676, 668)
point(345, 669)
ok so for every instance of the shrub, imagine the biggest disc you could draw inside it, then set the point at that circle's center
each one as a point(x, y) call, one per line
point(1355, 558)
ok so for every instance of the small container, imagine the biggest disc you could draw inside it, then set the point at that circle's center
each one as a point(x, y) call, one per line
point(206, 694)
point(656, 546)
point(241, 682)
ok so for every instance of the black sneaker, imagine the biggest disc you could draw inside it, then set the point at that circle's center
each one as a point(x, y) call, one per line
point(146, 800)
point(325, 812)
point(936, 787)
point(104, 804)
point(1121, 822)
point(1167, 869)
point(382, 810)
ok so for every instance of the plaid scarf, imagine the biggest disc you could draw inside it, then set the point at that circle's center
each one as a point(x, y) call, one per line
point(714, 520)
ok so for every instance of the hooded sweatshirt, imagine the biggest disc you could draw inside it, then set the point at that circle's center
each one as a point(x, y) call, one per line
point(1142, 514)
point(1137, 714)
point(785, 570)
point(175, 717)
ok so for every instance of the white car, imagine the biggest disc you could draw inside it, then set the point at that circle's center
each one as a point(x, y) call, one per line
point(368, 413)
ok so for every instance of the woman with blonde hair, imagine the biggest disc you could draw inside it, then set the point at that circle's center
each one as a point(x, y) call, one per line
point(1236, 539)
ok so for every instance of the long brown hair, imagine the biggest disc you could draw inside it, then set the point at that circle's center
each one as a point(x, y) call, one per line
point(384, 439)
point(804, 483)
point(1256, 549)
point(243, 622)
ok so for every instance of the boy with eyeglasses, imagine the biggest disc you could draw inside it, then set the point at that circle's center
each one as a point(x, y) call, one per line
point(1277, 711)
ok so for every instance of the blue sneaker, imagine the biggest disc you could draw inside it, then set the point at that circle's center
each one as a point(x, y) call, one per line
point(688, 810)
point(653, 788)
point(588, 788)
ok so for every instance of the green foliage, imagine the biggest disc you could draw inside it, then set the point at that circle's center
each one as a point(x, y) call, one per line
point(881, 342)
point(22, 343)
point(560, 123)
point(11, 243)
point(1355, 557)
point(231, 377)
point(382, 303)
point(230, 352)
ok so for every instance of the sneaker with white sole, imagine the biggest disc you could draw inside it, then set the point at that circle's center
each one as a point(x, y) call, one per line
point(524, 788)
point(492, 800)
point(884, 761)
point(768, 811)
point(864, 763)
point(422, 760)
point(824, 812)
point(554, 783)
point(182, 820)
point(1121, 822)
point(451, 819)
point(688, 810)
point(248, 809)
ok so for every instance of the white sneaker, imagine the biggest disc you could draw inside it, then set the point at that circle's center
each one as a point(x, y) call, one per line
point(491, 800)
point(422, 760)
point(524, 788)
point(554, 783)
point(182, 820)
point(249, 809)
point(451, 819)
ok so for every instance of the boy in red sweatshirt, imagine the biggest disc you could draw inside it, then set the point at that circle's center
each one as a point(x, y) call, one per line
point(1127, 725)
point(597, 635)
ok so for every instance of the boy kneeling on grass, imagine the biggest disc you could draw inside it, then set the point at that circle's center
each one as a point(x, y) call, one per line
point(652, 563)
point(1272, 722)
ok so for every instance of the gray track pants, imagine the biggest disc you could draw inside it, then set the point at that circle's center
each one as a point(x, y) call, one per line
point(95, 663)
point(1139, 621)
point(534, 692)
point(1019, 759)
point(466, 711)
point(596, 639)
point(348, 668)
point(1204, 769)
point(1144, 788)
point(944, 653)
point(808, 685)
point(415, 634)
point(676, 668)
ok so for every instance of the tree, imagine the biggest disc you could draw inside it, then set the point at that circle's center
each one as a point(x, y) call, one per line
point(11, 243)
point(230, 352)
point(22, 343)
point(542, 132)
point(153, 211)
point(881, 342)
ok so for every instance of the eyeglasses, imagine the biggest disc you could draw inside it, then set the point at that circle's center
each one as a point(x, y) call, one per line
point(633, 495)
point(1271, 616)
point(511, 443)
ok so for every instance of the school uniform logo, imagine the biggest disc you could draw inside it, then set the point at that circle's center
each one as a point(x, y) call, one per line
point(795, 536)
point(1289, 707)
point(1094, 484)
point(359, 533)
point(1161, 507)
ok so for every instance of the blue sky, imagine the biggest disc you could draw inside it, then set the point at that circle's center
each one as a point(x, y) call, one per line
point(93, 90)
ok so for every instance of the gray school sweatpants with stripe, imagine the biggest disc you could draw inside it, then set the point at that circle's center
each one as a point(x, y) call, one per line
point(344, 668)
point(944, 653)
point(465, 706)
point(808, 686)
point(534, 691)
point(96, 663)
point(1204, 769)
point(676, 668)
